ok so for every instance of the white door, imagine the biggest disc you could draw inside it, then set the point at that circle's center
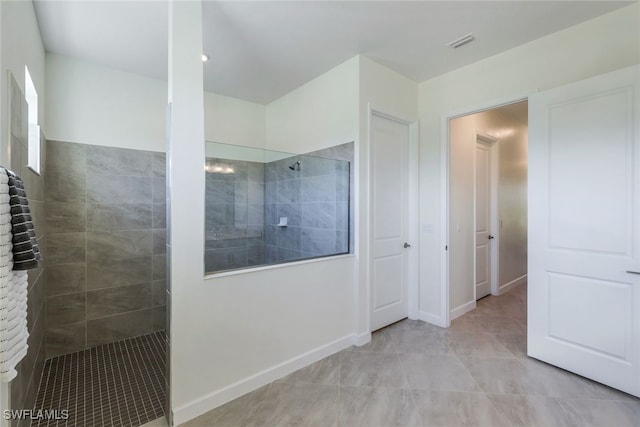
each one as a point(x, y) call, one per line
point(390, 197)
point(483, 219)
point(584, 228)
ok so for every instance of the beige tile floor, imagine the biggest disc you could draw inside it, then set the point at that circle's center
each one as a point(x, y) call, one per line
point(475, 373)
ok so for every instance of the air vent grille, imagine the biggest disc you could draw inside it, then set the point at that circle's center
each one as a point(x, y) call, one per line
point(462, 41)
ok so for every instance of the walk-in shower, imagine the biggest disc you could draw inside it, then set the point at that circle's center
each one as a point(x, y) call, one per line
point(267, 207)
point(105, 294)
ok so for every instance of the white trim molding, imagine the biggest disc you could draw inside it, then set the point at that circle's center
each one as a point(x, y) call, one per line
point(512, 284)
point(431, 318)
point(253, 382)
point(462, 309)
point(445, 312)
point(361, 339)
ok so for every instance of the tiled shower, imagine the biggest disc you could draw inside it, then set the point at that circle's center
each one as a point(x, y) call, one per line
point(24, 386)
point(105, 293)
point(106, 264)
point(315, 201)
point(278, 210)
point(234, 214)
point(96, 303)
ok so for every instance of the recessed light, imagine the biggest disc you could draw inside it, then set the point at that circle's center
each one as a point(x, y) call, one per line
point(205, 57)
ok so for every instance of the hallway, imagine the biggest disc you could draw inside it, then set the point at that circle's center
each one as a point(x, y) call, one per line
point(475, 373)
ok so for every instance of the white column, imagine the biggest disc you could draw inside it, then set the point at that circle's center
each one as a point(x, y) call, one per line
point(185, 157)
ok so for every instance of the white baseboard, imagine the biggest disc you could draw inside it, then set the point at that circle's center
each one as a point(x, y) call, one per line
point(233, 391)
point(431, 318)
point(462, 309)
point(361, 339)
point(512, 284)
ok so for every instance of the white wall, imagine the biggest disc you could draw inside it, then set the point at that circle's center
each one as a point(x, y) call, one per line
point(234, 121)
point(606, 43)
point(512, 204)
point(245, 329)
point(391, 93)
point(92, 104)
point(461, 227)
point(20, 45)
point(320, 114)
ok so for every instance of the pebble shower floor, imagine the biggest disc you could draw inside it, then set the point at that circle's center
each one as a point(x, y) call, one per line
point(117, 384)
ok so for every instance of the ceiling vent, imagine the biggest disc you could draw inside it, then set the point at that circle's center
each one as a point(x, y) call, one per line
point(462, 41)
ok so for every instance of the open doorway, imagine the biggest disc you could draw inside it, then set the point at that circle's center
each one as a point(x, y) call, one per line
point(582, 231)
point(487, 204)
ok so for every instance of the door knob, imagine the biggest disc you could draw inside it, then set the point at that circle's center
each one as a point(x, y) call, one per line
point(491, 237)
point(406, 245)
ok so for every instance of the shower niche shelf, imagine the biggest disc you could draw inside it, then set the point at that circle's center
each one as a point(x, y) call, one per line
point(283, 222)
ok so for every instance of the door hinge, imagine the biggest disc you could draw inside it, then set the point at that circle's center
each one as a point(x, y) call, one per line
point(446, 247)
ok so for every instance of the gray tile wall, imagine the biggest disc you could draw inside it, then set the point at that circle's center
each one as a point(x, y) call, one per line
point(242, 209)
point(234, 220)
point(315, 201)
point(106, 245)
point(25, 386)
point(345, 153)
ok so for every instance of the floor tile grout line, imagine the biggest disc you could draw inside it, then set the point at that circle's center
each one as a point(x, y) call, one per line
point(94, 372)
point(131, 358)
point(64, 363)
point(410, 390)
point(502, 416)
point(478, 395)
point(156, 376)
point(117, 348)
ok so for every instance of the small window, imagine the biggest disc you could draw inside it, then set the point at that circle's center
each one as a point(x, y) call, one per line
point(34, 128)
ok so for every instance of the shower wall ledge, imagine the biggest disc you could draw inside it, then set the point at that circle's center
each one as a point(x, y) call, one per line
point(287, 264)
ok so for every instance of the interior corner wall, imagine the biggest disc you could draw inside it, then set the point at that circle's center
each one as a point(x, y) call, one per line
point(292, 321)
point(20, 45)
point(234, 121)
point(91, 104)
point(606, 43)
point(386, 90)
point(392, 93)
point(512, 206)
point(319, 114)
point(294, 314)
point(461, 209)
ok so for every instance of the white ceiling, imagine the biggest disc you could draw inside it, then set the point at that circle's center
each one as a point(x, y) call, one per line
point(261, 50)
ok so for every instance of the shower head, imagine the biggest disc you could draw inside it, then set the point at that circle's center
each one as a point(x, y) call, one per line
point(295, 166)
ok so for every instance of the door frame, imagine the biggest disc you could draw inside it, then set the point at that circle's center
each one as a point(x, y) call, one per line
point(445, 182)
point(412, 208)
point(494, 175)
